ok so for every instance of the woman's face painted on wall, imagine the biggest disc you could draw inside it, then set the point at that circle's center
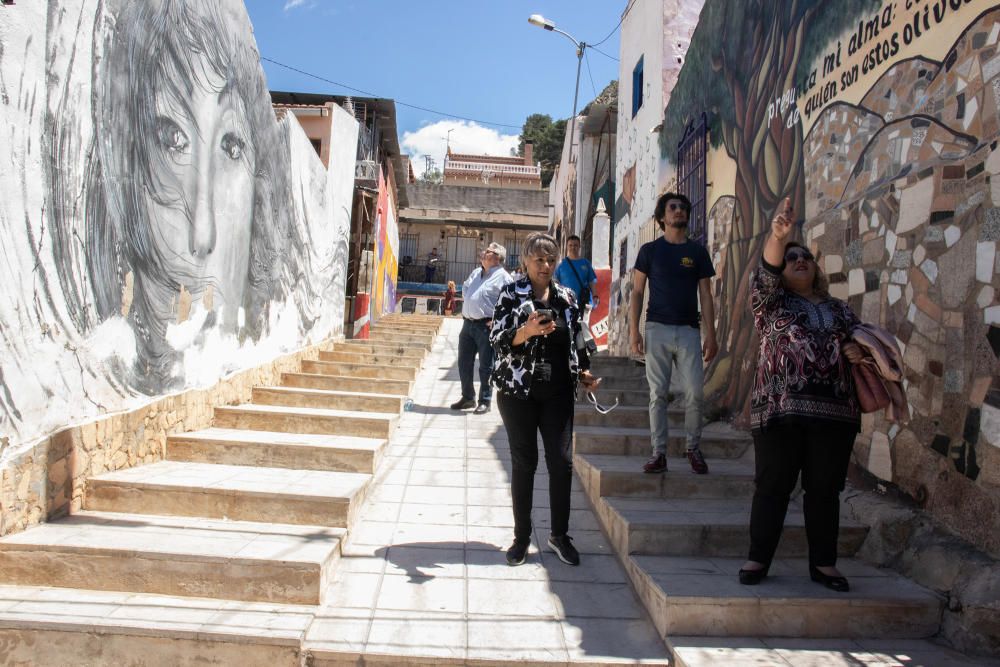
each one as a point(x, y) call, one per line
point(201, 207)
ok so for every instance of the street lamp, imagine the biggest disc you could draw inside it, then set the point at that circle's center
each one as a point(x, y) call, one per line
point(544, 23)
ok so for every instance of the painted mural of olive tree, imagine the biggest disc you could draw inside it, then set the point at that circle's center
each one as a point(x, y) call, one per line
point(745, 57)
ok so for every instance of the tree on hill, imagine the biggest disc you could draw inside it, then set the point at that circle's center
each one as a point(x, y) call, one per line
point(744, 55)
point(547, 137)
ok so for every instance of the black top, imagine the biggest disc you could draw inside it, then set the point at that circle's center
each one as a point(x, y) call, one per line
point(553, 353)
point(673, 271)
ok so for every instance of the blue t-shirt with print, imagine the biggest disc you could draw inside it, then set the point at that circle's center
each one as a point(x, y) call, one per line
point(565, 275)
point(672, 272)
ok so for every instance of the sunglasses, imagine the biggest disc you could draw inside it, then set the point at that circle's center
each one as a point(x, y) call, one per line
point(678, 206)
point(796, 255)
point(597, 406)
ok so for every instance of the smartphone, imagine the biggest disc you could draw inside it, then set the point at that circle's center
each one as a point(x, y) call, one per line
point(545, 315)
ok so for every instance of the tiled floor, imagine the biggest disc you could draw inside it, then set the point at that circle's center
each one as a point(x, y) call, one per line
point(424, 574)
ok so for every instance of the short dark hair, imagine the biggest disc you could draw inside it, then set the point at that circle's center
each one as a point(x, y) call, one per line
point(661, 205)
point(572, 237)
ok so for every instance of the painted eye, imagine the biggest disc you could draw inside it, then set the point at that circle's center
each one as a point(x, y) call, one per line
point(171, 136)
point(232, 146)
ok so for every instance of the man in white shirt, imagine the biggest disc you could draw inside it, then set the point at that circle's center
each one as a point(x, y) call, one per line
point(479, 297)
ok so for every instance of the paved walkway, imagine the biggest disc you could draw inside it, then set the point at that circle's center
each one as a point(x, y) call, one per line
point(424, 573)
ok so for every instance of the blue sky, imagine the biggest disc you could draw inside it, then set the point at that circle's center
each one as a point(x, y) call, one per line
point(479, 60)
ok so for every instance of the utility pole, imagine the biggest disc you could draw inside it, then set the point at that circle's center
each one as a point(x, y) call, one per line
point(428, 163)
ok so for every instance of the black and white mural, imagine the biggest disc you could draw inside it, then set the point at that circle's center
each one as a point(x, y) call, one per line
point(160, 228)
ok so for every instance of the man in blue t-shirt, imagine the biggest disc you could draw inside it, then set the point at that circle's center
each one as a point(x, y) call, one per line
point(679, 271)
point(576, 272)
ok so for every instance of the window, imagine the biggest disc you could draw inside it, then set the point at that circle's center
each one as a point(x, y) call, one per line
point(317, 145)
point(513, 253)
point(691, 174)
point(623, 258)
point(637, 86)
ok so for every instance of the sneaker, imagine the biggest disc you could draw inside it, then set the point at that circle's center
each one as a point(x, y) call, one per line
point(563, 546)
point(482, 408)
point(656, 463)
point(463, 404)
point(697, 461)
point(517, 552)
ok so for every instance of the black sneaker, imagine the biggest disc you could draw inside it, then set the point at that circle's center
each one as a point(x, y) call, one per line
point(464, 404)
point(517, 552)
point(563, 546)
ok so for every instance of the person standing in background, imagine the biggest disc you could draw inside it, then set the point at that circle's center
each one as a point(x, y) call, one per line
point(479, 295)
point(577, 273)
point(679, 271)
point(431, 267)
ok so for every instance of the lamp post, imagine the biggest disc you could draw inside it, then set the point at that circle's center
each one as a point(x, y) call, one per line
point(544, 23)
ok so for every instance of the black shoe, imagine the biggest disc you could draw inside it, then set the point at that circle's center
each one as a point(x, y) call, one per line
point(481, 409)
point(463, 404)
point(563, 546)
point(753, 577)
point(517, 552)
point(838, 584)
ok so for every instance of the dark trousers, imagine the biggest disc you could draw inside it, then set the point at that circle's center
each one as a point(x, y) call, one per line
point(820, 451)
point(524, 419)
point(475, 339)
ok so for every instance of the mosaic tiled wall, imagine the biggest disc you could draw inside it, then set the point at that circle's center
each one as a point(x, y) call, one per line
point(885, 137)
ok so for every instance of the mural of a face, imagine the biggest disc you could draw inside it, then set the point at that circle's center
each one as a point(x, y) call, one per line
point(201, 206)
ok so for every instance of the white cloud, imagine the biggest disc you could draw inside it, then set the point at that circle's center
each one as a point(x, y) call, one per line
point(292, 4)
point(466, 137)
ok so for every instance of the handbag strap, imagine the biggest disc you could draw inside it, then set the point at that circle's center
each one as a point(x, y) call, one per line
point(576, 273)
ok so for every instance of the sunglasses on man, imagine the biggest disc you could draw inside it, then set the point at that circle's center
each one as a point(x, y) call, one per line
point(678, 206)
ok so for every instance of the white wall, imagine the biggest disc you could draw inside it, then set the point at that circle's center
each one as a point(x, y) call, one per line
point(127, 278)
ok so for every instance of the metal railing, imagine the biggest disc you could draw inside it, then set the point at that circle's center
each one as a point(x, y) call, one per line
point(496, 169)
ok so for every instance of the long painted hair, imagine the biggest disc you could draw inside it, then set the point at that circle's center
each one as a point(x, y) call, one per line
point(162, 50)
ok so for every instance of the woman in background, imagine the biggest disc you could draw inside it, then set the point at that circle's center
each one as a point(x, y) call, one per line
point(449, 298)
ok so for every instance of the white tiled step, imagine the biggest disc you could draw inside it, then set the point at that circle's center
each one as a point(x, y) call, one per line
point(792, 652)
point(346, 383)
point(702, 596)
point(377, 371)
point(241, 493)
point(54, 627)
point(623, 476)
point(305, 420)
point(141, 553)
point(715, 527)
point(328, 399)
point(273, 449)
point(718, 440)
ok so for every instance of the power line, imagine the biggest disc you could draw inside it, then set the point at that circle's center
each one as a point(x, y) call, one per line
point(397, 102)
point(590, 74)
point(613, 30)
point(602, 53)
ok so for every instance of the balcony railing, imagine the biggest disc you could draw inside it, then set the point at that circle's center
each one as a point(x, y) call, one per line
point(493, 168)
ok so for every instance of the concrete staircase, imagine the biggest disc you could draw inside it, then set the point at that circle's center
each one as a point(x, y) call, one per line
point(682, 538)
point(232, 540)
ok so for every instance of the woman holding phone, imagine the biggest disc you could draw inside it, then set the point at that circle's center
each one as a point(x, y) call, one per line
point(536, 328)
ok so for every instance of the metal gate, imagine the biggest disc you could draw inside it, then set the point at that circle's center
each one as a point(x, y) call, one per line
point(462, 257)
point(692, 152)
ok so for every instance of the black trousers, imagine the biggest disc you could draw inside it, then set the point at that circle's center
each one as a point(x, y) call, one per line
point(523, 420)
point(820, 451)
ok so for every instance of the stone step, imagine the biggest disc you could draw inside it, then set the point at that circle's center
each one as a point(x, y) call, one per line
point(239, 493)
point(271, 449)
point(701, 596)
point(625, 397)
point(346, 383)
point(305, 420)
point(718, 441)
point(709, 527)
point(408, 327)
point(71, 626)
point(611, 382)
point(381, 372)
point(351, 357)
point(693, 651)
point(618, 366)
point(624, 416)
point(623, 476)
point(394, 336)
point(328, 399)
point(388, 351)
point(141, 553)
point(362, 343)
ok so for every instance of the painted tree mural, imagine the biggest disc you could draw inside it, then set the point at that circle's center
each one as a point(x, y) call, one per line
point(744, 56)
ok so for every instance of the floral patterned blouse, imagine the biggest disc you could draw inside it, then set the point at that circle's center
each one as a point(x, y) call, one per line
point(801, 372)
point(514, 364)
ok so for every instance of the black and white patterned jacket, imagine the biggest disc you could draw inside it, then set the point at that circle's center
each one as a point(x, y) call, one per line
point(514, 364)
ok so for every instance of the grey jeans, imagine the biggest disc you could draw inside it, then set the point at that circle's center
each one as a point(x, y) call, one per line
point(668, 345)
